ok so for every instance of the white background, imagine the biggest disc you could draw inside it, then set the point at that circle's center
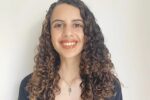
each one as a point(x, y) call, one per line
point(125, 25)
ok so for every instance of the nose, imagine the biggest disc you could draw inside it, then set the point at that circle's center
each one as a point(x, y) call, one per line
point(67, 31)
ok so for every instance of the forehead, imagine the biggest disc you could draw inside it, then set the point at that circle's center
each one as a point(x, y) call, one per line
point(65, 12)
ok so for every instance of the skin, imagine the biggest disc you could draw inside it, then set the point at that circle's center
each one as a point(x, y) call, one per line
point(68, 39)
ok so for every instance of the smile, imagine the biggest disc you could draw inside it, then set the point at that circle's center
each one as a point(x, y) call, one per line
point(68, 44)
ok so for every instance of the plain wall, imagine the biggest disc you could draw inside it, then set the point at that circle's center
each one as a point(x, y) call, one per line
point(124, 23)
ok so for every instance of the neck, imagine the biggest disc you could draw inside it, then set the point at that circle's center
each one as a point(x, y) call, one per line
point(69, 69)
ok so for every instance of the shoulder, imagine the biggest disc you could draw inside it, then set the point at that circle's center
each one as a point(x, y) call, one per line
point(118, 91)
point(23, 94)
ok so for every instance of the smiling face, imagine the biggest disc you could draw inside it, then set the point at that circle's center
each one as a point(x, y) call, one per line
point(67, 30)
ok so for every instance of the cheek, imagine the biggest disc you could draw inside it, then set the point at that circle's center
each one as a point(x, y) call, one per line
point(82, 37)
point(84, 40)
point(54, 34)
point(55, 39)
point(54, 42)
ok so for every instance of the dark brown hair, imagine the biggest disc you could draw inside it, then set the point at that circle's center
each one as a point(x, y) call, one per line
point(96, 66)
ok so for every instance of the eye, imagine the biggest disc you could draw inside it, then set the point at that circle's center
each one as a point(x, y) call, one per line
point(78, 25)
point(58, 25)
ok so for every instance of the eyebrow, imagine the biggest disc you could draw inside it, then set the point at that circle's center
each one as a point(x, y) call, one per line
point(58, 20)
point(80, 20)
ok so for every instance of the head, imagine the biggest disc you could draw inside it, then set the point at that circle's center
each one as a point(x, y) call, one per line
point(83, 14)
point(73, 29)
point(67, 34)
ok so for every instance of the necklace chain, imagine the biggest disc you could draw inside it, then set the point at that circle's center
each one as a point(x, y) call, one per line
point(69, 85)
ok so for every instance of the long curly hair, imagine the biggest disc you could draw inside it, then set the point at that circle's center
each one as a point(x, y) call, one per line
point(96, 67)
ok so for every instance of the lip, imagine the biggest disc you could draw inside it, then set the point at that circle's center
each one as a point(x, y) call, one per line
point(65, 41)
point(68, 44)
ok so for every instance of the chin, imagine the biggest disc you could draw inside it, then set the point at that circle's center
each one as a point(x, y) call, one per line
point(71, 55)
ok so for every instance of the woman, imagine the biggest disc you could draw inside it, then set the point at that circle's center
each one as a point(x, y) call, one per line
point(73, 62)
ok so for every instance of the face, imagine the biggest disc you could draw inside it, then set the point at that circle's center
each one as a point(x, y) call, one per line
point(67, 31)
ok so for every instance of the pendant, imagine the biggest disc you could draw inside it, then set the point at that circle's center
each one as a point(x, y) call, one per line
point(69, 90)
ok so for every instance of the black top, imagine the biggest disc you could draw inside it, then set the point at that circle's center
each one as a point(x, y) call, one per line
point(23, 94)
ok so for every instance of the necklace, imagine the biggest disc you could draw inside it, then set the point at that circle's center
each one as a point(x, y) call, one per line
point(69, 84)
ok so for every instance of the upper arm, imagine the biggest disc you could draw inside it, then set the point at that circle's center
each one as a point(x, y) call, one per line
point(118, 92)
point(23, 94)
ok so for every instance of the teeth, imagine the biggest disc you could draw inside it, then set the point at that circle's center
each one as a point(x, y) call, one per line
point(69, 43)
